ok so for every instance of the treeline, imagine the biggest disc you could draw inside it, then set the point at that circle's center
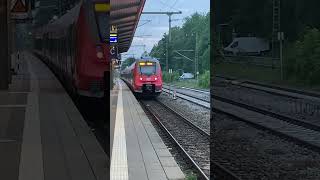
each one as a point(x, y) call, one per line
point(299, 22)
point(127, 62)
point(255, 17)
point(184, 38)
point(302, 59)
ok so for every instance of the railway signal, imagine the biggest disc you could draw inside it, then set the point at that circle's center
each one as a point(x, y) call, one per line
point(113, 34)
point(281, 38)
point(170, 75)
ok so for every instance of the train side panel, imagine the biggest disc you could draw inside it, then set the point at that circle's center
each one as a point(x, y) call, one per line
point(76, 53)
point(93, 60)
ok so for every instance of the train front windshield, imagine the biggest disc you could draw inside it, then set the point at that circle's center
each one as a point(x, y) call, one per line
point(147, 68)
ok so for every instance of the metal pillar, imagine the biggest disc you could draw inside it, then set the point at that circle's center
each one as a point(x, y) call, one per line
point(281, 58)
point(4, 52)
point(275, 30)
point(168, 44)
point(196, 58)
point(169, 38)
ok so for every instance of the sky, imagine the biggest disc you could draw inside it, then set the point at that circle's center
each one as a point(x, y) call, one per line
point(149, 32)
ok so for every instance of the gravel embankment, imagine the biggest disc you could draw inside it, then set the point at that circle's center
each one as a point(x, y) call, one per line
point(300, 109)
point(196, 114)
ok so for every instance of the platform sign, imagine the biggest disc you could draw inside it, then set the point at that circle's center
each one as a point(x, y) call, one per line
point(114, 52)
point(20, 10)
point(115, 55)
point(113, 34)
point(114, 29)
point(113, 38)
point(19, 6)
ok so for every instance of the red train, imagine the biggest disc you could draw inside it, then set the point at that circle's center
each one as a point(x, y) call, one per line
point(76, 47)
point(144, 77)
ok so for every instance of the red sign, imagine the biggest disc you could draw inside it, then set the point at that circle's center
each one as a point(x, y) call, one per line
point(19, 7)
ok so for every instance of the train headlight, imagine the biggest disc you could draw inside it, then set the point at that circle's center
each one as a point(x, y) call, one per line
point(141, 79)
point(99, 55)
point(99, 51)
point(155, 78)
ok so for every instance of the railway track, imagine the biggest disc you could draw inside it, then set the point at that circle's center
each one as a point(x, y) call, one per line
point(191, 89)
point(271, 89)
point(222, 173)
point(299, 131)
point(219, 167)
point(192, 141)
point(193, 99)
point(295, 130)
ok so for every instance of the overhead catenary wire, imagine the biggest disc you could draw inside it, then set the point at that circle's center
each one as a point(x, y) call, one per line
point(168, 6)
point(169, 39)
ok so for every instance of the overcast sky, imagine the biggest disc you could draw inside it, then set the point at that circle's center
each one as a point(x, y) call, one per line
point(153, 31)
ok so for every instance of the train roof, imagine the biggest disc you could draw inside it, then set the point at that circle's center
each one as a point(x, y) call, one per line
point(62, 23)
point(65, 20)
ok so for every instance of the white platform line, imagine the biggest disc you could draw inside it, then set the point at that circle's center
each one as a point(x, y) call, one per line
point(119, 164)
point(31, 162)
point(7, 140)
point(15, 92)
point(13, 106)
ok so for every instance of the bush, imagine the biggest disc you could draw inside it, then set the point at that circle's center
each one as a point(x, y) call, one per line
point(303, 58)
point(204, 80)
point(169, 78)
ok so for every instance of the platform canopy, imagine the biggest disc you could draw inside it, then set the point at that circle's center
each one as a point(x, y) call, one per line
point(125, 15)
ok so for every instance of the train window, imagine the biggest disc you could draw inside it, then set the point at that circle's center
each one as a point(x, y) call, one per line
point(88, 7)
point(147, 68)
point(103, 26)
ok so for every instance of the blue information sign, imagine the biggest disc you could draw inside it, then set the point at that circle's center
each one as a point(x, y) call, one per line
point(113, 39)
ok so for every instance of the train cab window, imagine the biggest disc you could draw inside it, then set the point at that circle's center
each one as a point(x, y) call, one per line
point(147, 68)
point(92, 18)
point(103, 26)
point(102, 16)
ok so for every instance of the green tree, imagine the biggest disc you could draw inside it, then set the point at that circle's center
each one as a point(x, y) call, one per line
point(184, 38)
point(127, 62)
point(303, 61)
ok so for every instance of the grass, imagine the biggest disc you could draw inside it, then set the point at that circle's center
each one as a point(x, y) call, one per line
point(192, 83)
point(259, 74)
point(191, 176)
point(244, 71)
point(203, 81)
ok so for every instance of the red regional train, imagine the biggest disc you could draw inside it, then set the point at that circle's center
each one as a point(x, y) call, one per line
point(75, 47)
point(144, 77)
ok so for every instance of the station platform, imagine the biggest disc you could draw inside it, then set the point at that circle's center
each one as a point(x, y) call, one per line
point(137, 150)
point(42, 134)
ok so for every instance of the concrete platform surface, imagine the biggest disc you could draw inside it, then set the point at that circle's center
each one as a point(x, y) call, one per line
point(42, 134)
point(138, 152)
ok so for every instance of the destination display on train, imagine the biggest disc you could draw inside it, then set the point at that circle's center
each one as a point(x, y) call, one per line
point(146, 63)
